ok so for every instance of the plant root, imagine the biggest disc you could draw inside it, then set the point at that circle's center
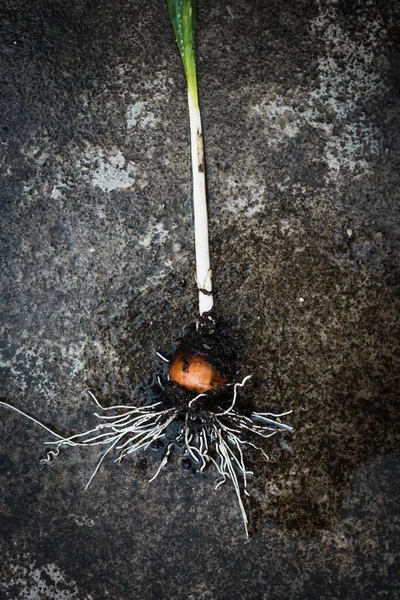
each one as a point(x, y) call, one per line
point(200, 427)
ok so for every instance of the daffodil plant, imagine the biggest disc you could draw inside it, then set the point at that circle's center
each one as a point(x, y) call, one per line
point(196, 413)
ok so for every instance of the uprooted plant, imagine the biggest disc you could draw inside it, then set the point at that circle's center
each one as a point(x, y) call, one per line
point(197, 410)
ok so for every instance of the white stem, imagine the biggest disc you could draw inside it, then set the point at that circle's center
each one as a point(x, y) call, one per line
point(203, 268)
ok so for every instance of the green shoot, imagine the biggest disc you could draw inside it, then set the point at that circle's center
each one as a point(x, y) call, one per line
point(183, 18)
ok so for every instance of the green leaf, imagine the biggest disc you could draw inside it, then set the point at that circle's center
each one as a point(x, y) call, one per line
point(183, 18)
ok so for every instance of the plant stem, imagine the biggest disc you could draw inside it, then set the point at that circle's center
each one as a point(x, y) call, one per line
point(183, 19)
point(203, 268)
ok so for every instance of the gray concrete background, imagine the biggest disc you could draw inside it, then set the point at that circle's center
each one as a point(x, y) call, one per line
point(300, 106)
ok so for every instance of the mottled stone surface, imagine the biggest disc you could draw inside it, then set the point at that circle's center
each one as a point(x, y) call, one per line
point(301, 118)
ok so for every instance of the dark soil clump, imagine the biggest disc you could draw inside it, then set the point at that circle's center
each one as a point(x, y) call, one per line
point(213, 340)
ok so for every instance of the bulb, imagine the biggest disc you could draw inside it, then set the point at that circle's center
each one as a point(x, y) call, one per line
point(194, 373)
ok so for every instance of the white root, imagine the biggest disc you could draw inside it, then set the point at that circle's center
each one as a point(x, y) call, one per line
point(221, 439)
point(235, 386)
point(163, 462)
point(162, 357)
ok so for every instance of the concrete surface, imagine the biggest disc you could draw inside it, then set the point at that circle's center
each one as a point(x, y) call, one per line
point(301, 116)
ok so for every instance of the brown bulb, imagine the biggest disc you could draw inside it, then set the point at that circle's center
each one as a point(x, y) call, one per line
point(194, 373)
